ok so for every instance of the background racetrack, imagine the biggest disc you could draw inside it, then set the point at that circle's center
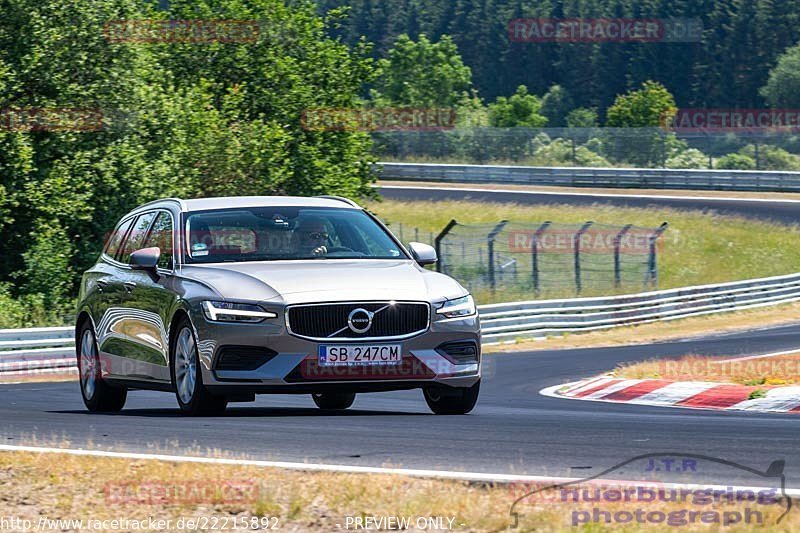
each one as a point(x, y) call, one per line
point(785, 211)
point(514, 429)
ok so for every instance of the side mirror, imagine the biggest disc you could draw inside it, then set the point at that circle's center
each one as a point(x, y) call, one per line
point(146, 259)
point(423, 253)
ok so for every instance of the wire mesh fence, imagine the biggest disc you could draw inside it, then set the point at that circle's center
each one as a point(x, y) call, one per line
point(550, 258)
point(594, 147)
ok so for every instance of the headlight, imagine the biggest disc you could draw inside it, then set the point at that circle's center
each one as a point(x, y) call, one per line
point(232, 312)
point(464, 306)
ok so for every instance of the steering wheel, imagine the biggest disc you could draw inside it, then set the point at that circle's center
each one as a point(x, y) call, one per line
point(337, 249)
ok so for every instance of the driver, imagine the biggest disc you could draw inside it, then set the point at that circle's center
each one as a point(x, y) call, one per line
point(311, 237)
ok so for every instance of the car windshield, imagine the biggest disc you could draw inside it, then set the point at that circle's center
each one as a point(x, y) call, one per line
point(286, 233)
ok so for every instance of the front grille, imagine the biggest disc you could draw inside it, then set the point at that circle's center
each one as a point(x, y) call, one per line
point(243, 357)
point(330, 321)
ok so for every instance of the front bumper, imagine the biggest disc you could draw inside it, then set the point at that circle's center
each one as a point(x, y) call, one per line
point(294, 367)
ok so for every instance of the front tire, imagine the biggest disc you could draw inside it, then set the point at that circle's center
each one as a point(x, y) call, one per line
point(444, 400)
point(334, 402)
point(187, 376)
point(98, 396)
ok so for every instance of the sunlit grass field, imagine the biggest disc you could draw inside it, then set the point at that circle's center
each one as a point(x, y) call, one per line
point(698, 247)
point(45, 488)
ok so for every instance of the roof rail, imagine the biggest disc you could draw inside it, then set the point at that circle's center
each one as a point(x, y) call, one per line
point(339, 198)
point(178, 201)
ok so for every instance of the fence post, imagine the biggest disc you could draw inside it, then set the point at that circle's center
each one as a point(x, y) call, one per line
point(617, 265)
point(490, 251)
point(576, 246)
point(535, 255)
point(652, 264)
point(438, 243)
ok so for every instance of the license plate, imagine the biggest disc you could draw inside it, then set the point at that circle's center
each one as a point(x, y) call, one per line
point(360, 354)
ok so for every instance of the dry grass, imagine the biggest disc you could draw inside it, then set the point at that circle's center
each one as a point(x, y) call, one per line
point(38, 378)
point(67, 487)
point(664, 331)
point(777, 370)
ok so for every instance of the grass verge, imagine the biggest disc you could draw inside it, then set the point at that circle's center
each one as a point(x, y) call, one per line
point(699, 248)
point(774, 371)
point(66, 487)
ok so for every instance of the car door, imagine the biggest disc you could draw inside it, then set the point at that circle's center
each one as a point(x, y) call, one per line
point(104, 292)
point(150, 300)
point(122, 322)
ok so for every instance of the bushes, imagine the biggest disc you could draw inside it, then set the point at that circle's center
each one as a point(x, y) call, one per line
point(30, 310)
point(735, 162)
point(772, 157)
point(689, 158)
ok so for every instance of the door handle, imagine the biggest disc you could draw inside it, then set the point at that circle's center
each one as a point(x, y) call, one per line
point(129, 286)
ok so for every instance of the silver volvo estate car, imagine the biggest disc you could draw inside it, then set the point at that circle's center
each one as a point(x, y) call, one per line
point(220, 299)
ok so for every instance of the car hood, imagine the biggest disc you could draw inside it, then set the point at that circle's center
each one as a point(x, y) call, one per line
point(324, 281)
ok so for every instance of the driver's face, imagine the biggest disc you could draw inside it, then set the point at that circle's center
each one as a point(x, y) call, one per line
point(313, 235)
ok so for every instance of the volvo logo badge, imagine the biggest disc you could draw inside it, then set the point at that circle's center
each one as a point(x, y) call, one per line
point(360, 320)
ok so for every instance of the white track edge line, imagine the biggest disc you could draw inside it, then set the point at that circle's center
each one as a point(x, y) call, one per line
point(441, 474)
point(761, 356)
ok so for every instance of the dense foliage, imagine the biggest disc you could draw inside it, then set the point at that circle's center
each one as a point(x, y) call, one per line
point(179, 118)
point(741, 42)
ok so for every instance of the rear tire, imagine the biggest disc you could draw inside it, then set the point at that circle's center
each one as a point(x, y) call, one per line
point(334, 402)
point(98, 396)
point(187, 376)
point(444, 400)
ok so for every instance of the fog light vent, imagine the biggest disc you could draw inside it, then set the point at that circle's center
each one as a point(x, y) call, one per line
point(243, 357)
point(460, 352)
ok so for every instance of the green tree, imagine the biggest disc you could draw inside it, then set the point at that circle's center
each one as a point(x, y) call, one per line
point(423, 73)
point(582, 117)
point(522, 109)
point(649, 106)
point(556, 104)
point(193, 119)
point(783, 87)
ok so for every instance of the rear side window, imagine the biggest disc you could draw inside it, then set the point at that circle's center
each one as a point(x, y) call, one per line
point(161, 237)
point(116, 238)
point(136, 237)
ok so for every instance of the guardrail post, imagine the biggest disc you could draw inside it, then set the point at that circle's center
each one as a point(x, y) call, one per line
point(438, 243)
point(652, 264)
point(617, 263)
point(576, 246)
point(535, 255)
point(490, 252)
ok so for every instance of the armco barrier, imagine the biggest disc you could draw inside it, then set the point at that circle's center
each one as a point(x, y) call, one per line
point(52, 350)
point(510, 321)
point(24, 352)
point(635, 178)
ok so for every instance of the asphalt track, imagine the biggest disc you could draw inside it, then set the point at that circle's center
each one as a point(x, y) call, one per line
point(513, 430)
point(785, 211)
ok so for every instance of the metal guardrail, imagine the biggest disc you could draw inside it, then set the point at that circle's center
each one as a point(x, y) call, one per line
point(635, 178)
point(52, 350)
point(24, 352)
point(537, 319)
